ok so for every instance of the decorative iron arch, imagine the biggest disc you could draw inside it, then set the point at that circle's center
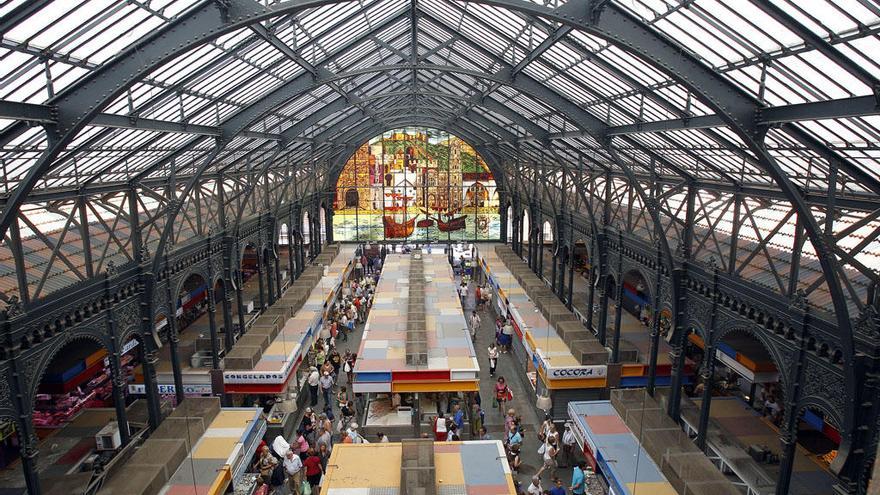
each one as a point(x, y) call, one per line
point(821, 404)
point(46, 355)
point(180, 280)
point(629, 267)
point(780, 358)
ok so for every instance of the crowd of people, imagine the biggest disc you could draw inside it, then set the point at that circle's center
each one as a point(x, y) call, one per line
point(300, 462)
point(554, 449)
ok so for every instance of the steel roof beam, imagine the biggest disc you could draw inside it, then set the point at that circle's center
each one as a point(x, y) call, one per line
point(821, 45)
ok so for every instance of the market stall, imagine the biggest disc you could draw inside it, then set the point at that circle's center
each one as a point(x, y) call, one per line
point(478, 467)
point(222, 456)
point(388, 359)
point(562, 359)
point(613, 452)
point(80, 378)
point(266, 360)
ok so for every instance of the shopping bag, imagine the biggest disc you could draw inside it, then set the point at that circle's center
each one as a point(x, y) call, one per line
point(306, 488)
point(542, 449)
point(495, 402)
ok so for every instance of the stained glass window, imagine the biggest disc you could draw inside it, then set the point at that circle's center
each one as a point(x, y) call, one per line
point(416, 184)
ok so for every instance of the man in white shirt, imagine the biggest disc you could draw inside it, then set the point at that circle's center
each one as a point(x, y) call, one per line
point(568, 442)
point(293, 469)
point(535, 487)
point(314, 378)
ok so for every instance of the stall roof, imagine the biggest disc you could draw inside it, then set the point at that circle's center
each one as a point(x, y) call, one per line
point(474, 468)
point(228, 441)
point(619, 455)
point(381, 363)
point(284, 353)
point(542, 333)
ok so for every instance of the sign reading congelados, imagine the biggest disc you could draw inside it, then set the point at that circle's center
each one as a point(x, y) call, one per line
point(577, 372)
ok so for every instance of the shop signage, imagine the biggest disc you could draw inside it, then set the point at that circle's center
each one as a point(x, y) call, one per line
point(131, 344)
point(264, 377)
point(577, 372)
point(170, 389)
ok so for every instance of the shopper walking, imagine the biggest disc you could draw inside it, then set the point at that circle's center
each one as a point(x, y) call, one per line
point(326, 382)
point(293, 467)
point(493, 358)
point(506, 337)
point(313, 468)
point(502, 393)
point(475, 325)
point(578, 481)
point(568, 442)
point(314, 380)
point(535, 487)
point(549, 456)
point(514, 438)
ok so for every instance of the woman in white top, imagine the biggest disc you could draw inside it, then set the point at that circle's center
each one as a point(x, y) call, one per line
point(544, 432)
point(493, 358)
point(549, 458)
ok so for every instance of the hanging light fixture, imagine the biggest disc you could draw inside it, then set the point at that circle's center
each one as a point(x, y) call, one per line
point(544, 403)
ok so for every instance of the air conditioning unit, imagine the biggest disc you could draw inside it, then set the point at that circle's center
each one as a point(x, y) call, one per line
point(108, 438)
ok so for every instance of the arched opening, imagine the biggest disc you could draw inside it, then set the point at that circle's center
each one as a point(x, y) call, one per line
point(74, 401)
point(582, 277)
point(526, 232)
point(191, 312)
point(547, 252)
point(820, 438)
point(283, 235)
point(747, 408)
point(637, 297)
point(743, 368)
point(193, 330)
point(285, 252)
point(271, 288)
point(306, 231)
point(547, 232)
point(249, 288)
point(74, 380)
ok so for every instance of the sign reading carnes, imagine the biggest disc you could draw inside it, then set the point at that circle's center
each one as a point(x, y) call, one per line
point(577, 372)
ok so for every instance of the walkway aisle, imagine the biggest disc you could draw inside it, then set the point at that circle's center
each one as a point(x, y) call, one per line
point(353, 344)
point(523, 401)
